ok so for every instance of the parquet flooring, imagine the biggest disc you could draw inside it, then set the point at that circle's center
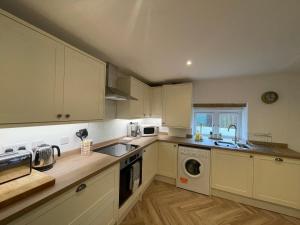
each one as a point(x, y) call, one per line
point(164, 204)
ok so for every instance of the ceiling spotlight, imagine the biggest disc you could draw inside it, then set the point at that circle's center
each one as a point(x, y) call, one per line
point(189, 62)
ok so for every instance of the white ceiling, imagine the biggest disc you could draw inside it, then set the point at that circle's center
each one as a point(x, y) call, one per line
point(155, 38)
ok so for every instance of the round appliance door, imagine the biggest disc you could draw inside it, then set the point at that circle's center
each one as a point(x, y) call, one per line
point(193, 167)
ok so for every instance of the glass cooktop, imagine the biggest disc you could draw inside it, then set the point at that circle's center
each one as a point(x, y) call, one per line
point(117, 149)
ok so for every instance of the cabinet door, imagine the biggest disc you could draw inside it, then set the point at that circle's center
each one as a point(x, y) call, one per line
point(177, 105)
point(277, 181)
point(97, 204)
point(167, 159)
point(146, 101)
point(149, 162)
point(232, 172)
point(32, 70)
point(137, 91)
point(84, 87)
point(156, 102)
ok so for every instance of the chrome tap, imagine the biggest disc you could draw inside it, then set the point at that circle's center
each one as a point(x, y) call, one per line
point(235, 133)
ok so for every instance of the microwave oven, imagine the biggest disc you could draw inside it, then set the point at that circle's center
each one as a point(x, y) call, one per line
point(148, 130)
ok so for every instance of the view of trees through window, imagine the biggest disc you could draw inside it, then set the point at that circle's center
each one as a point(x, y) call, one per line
point(217, 121)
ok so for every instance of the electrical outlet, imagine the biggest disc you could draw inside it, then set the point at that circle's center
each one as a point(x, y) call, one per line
point(20, 146)
point(64, 140)
point(9, 148)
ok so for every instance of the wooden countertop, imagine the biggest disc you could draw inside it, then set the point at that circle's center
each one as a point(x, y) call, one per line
point(254, 149)
point(72, 168)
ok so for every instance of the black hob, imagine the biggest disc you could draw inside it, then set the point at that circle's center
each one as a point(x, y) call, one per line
point(117, 149)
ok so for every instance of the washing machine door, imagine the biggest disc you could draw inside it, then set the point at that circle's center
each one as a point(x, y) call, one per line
point(193, 167)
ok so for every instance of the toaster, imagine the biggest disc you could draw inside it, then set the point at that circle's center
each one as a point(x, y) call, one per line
point(14, 165)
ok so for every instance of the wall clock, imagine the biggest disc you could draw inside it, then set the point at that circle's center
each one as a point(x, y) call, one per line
point(269, 97)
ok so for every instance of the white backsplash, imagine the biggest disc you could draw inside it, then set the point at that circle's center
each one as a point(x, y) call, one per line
point(59, 134)
point(56, 134)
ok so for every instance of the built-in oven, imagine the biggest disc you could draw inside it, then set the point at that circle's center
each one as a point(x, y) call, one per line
point(130, 176)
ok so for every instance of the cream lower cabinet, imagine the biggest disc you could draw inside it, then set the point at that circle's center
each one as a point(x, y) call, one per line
point(177, 105)
point(232, 172)
point(277, 180)
point(96, 204)
point(167, 159)
point(149, 163)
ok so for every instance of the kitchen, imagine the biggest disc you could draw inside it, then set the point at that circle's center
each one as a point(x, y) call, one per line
point(197, 125)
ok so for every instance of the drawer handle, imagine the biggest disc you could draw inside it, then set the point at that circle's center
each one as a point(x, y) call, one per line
point(251, 156)
point(59, 116)
point(67, 116)
point(279, 159)
point(81, 187)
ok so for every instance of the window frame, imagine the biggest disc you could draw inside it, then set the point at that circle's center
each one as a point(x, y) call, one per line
point(216, 117)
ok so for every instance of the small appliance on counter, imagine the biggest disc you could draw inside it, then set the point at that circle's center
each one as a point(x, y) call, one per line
point(149, 130)
point(15, 164)
point(133, 129)
point(43, 156)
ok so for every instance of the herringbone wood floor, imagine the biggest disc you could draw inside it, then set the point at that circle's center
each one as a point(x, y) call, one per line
point(164, 204)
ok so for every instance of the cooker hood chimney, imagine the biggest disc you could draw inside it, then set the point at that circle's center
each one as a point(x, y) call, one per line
point(112, 92)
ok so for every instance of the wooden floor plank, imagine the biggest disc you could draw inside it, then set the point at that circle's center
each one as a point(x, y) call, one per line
point(164, 204)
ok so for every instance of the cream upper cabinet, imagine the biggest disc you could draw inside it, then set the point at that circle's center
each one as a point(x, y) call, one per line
point(45, 80)
point(167, 159)
point(32, 70)
point(84, 87)
point(232, 172)
point(97, 203)
point(277, 180)
point(177, 105)
point(149, 163)
point(156, 102)
point(146, 101)
point(132, 108)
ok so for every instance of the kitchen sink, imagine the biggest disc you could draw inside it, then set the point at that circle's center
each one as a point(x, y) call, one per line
point(228, 144)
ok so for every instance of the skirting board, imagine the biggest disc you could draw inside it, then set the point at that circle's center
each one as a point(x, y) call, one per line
point(164, 179)
point(257, 203)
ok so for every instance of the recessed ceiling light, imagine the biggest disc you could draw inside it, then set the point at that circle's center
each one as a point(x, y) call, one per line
point(189, 62)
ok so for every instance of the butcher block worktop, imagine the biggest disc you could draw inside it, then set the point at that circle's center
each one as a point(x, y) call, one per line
point(71, 169)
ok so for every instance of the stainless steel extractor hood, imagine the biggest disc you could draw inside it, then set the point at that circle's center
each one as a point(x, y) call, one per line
point(112, 92)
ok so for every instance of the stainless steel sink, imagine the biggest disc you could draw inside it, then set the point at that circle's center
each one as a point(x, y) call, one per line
point(232, 145)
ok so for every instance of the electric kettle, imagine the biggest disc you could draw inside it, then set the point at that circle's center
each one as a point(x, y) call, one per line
point(43, 156)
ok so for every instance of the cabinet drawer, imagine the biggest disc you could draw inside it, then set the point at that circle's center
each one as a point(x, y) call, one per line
point(74, 204)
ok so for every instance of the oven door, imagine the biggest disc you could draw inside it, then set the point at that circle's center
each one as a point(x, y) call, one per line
point(130, 180)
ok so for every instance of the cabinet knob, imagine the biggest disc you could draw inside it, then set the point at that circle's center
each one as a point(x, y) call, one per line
point(279, 159)
point(251, 156)
point(58, 116)
point(67, 115)
point(81, 187)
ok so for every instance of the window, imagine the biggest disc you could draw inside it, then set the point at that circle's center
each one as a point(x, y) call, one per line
point(217, 121)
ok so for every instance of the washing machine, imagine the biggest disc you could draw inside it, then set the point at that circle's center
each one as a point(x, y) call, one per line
point(194, 169)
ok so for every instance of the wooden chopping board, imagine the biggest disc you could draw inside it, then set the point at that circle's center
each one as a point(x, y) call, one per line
point(20, 188)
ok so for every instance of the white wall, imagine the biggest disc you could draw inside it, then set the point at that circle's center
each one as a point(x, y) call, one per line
point(52, 134)
point(279, 119)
